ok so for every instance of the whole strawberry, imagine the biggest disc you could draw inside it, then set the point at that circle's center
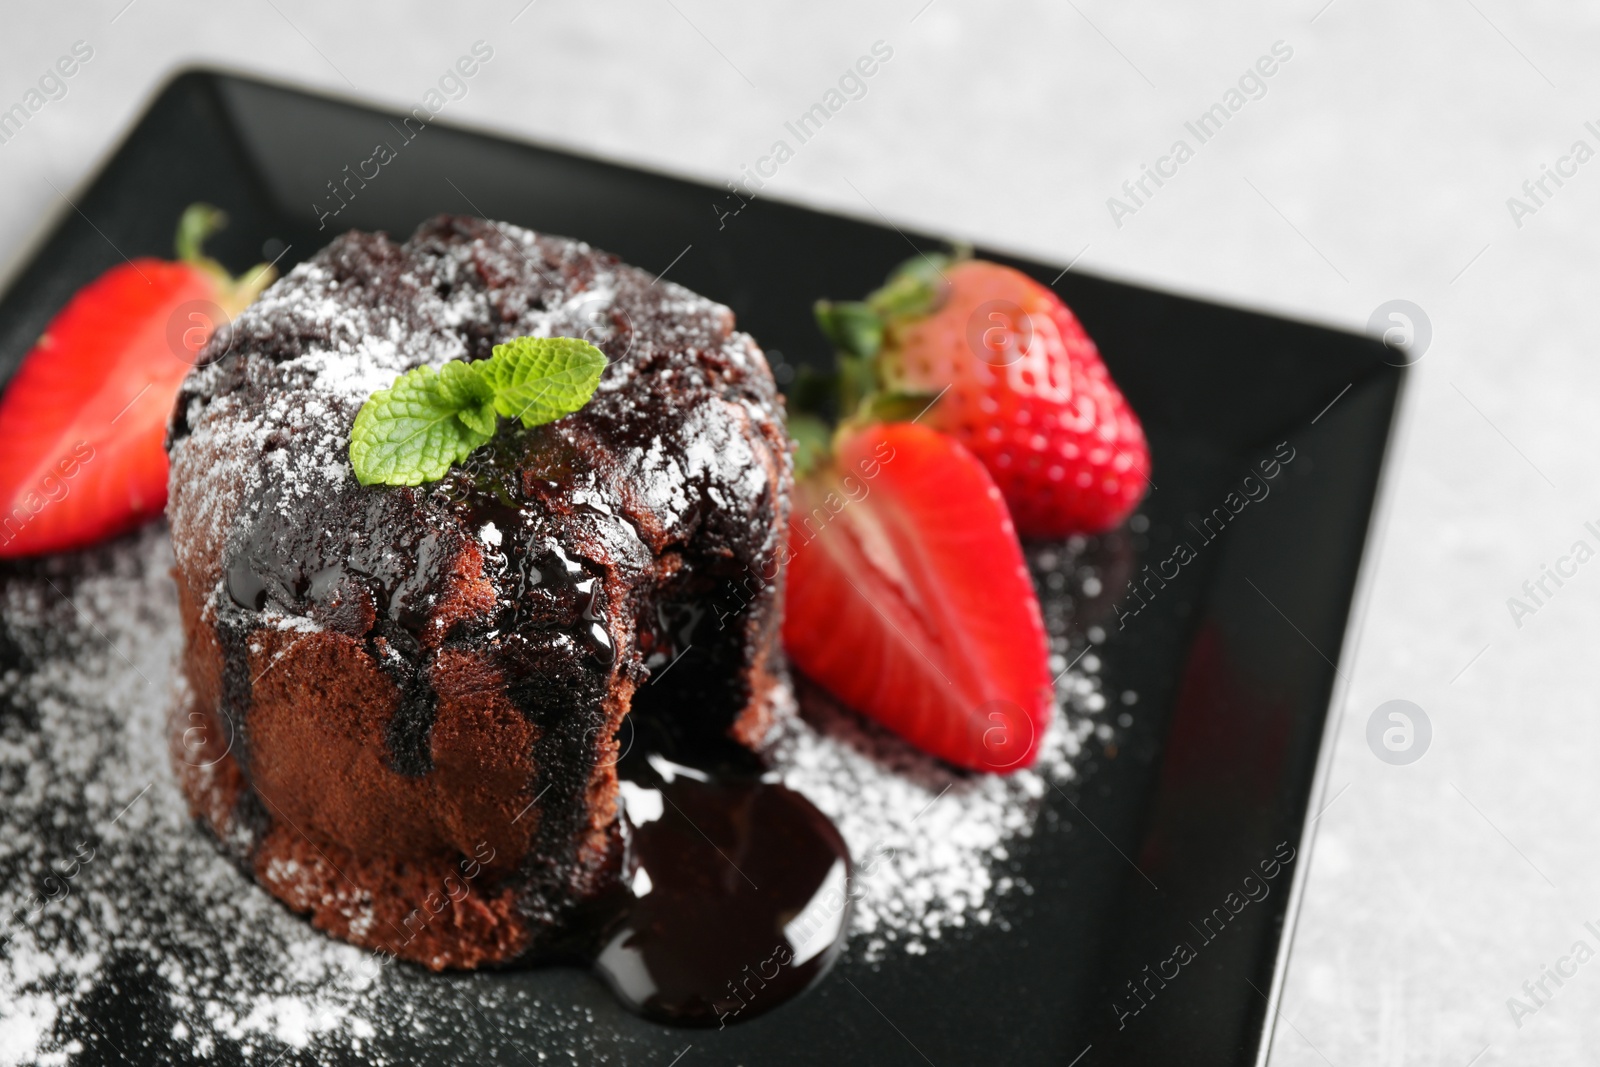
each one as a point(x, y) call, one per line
point(1017, 381)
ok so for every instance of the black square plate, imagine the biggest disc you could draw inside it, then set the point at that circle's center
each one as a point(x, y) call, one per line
point(1231, 654)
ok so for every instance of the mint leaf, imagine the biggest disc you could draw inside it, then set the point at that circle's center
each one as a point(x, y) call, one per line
point(480, 420)
point(540, 379)
point(413, 431)
point(464, 384)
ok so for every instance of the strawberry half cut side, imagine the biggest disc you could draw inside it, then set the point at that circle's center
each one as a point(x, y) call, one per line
point(83, 422)
point(908, 597)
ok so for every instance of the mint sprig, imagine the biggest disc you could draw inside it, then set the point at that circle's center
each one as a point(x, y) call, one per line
point(430, 419)
point(540, 379)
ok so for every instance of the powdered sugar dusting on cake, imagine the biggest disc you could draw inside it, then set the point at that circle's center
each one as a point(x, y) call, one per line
point(269, 412)
point(148, 901)
point(124, 932)
point(106, 878)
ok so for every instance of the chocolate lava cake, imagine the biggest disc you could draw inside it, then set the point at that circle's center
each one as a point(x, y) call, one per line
point(403, 704)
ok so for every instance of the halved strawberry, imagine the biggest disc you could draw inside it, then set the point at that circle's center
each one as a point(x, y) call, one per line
point(83, 421)
point(908, 597)
point(1022, 384)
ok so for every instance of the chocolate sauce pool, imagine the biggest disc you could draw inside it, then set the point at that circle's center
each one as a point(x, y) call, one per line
point(739, 897)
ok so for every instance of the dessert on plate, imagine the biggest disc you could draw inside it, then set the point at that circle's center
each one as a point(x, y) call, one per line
point(448, 514)
point(401, 693)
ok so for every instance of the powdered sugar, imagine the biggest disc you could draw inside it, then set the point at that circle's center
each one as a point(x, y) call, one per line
point(136, 936)
point(928, 841)
point(266, 418)
point(107, 881)
point(932, 844)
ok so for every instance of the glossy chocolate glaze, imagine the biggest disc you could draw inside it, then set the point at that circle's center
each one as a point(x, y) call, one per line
point(413, 676)
point(739, 896)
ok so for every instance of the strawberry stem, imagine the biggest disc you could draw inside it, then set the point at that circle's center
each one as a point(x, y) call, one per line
point(198, 222)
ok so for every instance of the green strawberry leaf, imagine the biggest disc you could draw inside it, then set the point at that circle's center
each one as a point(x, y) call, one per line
point(853, 327)
point(916, 288)
point(413, 431)
point(540, 379)
point(866, 337)
point(813, 443)
point(896, 406)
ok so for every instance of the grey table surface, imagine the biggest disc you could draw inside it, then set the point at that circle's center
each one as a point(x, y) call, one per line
point(1379, 161)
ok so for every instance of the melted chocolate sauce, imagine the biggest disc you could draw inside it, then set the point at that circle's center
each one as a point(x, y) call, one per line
point(653, 502)
point(740, 897)
point(735, 890)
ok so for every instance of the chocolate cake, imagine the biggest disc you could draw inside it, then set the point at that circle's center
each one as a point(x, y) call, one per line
point(403, 704)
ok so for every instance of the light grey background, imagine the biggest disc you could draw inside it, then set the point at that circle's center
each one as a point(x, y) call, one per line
point(1377, 166)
